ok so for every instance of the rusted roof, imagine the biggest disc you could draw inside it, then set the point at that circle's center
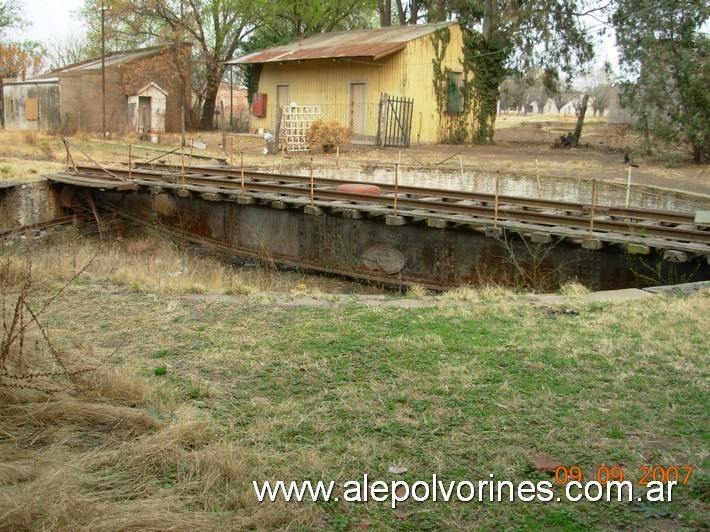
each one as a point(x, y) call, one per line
point(374, 43)
point(112, 58)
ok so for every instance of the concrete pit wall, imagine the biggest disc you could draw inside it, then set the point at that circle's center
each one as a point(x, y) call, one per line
point(369, 249)
point(23, 204)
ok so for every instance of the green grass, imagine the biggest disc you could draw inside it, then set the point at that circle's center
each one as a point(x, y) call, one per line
point(462, 392)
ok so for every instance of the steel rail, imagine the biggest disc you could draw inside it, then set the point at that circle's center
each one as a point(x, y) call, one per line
point(544, 218)
point(62, 220)
point(444, 194)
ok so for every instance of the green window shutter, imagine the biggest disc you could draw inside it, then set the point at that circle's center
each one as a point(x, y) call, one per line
point(453, 101)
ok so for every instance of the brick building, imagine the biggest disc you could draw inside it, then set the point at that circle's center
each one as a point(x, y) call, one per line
point(145, 90)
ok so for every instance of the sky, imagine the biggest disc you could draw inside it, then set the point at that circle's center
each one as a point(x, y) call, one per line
point(53, 19)
point(49, 19)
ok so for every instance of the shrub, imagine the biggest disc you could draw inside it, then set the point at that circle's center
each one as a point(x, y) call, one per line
point(29, 137)
point(328, 133)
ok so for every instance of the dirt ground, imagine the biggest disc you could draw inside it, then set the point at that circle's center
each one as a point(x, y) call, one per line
point(521, 140)
point(523, 146)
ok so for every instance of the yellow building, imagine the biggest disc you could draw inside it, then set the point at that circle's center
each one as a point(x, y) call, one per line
point(345, 75)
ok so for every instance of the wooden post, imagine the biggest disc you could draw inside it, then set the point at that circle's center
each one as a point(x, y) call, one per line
point(396, 187)
point(537, 173)
point(223, 124)
point(182, 125)
point(495, 210)
point(591, 212)
point(628, 188)
point(130, 161)
point(182, 164)
point(231, 151)
point(312, 182)
point(461, 165)
point(242, 165)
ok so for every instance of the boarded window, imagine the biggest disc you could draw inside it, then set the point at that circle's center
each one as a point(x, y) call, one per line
point(455, 96)
point(31, 109)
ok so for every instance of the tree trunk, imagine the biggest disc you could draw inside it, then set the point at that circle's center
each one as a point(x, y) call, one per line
point(208, 108)
point(400, 13)
point(385, 9)
point(436, 11)
point(489, 12)
point(414, 14)
point(580, 121)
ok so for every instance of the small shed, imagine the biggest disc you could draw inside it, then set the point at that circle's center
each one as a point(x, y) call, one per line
point(392, 86)
point(72, 98)
point(147, 107)
point(31, 104)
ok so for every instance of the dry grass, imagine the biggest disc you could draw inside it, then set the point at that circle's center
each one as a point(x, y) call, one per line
point(256, 392)
point(147, 263)
point(573, 290)
point(110, 450)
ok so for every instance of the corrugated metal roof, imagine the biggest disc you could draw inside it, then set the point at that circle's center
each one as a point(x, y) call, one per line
point(374, 43)
point(31, 81)
point(113, 58)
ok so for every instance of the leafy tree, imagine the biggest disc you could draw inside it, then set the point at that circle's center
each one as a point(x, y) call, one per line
point(542, 85)
point(217, 28)
point(292, 19)
point(21, 59)
point(512, 94)
point(665, 59)
point(564, 97)
point(519, 36)
point(10, 15)
point(601, 98)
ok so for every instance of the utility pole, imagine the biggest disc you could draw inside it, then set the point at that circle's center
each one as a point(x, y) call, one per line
point(103, 68)
point(231, 96)
point(183, 83)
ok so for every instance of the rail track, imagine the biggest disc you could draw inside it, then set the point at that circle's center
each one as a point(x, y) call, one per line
point(41, 226)
point(635, 222)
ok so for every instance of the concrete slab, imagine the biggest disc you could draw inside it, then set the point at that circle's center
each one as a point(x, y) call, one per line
point(616, 295)
point(351, 214)
point(685, 289)
point(541, 238)
point(592, 244)
point(395, 220)
point(675, 256)
point(437, 223)
point(211, 197)
point(638, 249)
point(702, 217)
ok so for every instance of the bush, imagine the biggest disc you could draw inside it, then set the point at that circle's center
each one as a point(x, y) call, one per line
point(328, 134)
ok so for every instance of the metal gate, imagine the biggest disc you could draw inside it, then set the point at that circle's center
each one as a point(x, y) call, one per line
point(395, 125)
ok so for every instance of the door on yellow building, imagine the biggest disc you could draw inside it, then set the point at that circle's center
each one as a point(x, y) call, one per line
point(358, 108)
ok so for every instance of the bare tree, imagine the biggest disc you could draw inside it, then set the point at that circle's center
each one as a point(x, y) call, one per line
point(67, 50)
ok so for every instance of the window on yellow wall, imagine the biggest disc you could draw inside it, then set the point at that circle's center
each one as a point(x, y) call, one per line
point(455, 95)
